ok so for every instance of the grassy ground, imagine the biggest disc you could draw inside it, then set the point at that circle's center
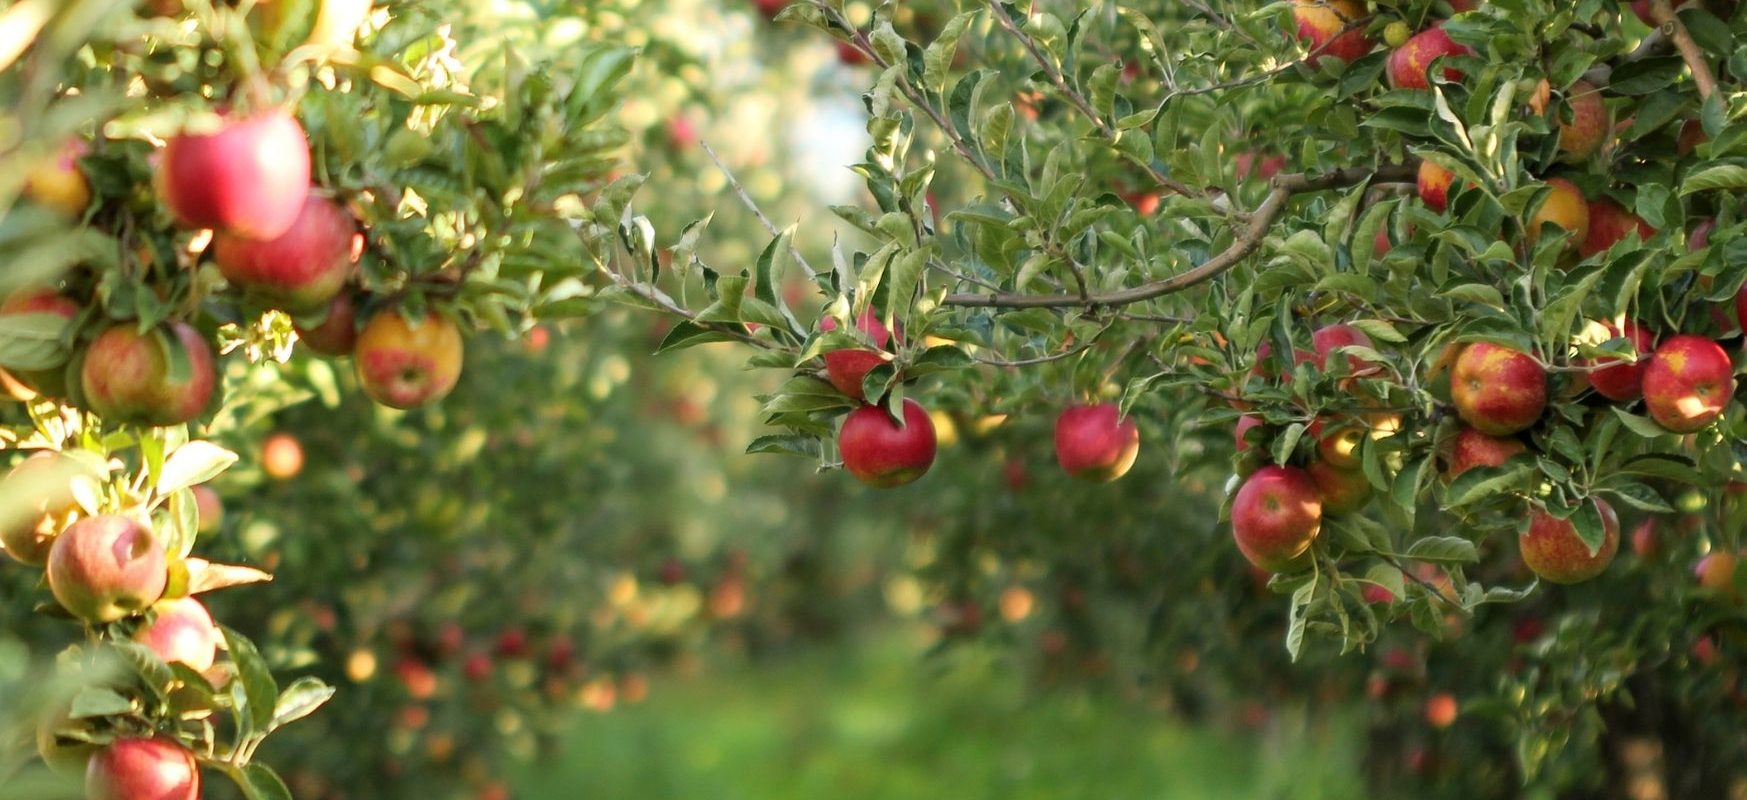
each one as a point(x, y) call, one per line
point(877, 722)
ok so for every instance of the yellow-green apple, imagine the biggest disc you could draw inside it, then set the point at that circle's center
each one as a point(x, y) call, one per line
point(285, 24)
point(1551, 548)
point(249, 177)
point(880, 451)
point(1441, 710)
point(107, 567)
point(1589, 126)
point(1095, 442)
point(1609, 224)
point(1275, 517)
point(1342, 491)
point(49, 380)
point(1687, 383)
point(142, 769)
point(281, 456)
point(337, 333)
point(1337, 441)
point(301, 269)
point(65, 755)
point(128, 376)
point(847, 368)
point(1470, 448)
point(40, 492)
point(401, 366)
point(1498, 390)
point(57, 183)
point(1564, 207)
point(1334, 28)
point(1623, 382)
point(1434, 185)
point(208, 508)
point(1409, 63)
point(181, 631)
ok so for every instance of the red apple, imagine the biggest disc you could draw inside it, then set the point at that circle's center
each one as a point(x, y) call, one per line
point(1692, 134)
point(209, 508)
point(50, 380)
point(404, 367)
point(1275, 516)
point(182, 631)
point(1267, 168)
point(880, 452)
point(1434, 185)
point(1646, 543)
point(1244, 424)
point(1716, 571)
point(1687, 383)
point(128, 378)
point(1470, 448)
point(1328, 338)
point(1588, 129)
point(1623, 382)
point(847, 368)
point(337, 333)
point(1498, 390)
point(108, 567)
point(1343, 491)
point(1609, 224)
point(477, 668)
point(1325, 24)
point(249, 178)
point(1642, 9)
point(769, 8)
point(1408, 64)
point(1551, 548)
point(142, 769)
point(851, 55)
point(301, 269)
point(1095, 443)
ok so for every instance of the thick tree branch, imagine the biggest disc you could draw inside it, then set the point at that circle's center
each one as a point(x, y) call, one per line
point(1260, 220)
point(1663, 12)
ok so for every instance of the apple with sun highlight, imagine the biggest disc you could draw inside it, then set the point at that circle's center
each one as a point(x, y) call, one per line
point(1687, 383)
point(106, 568)
point(1408, 65)
point(846, 368)
point(1470, 448)
point(248, 177)
point(402, 366)
point(1275, 517)
point(1334, 28)
point(1498, 390)
point(1095, 442)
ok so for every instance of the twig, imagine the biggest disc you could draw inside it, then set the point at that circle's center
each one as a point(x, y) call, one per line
point(1079, 100)
point(1663, 13)
point(1263, 218)
point(753, 206)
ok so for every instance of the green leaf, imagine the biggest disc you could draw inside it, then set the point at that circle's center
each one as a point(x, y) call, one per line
point(789, 443)
point(33, 341)
point(299, 700)
point(192, 464)
point(1443, 550)
point(1480, 483)
point(97, 701)
point(1725, 177)
point(259, 782)
point(1641, 425)
point(258, 686)
point(937, 59)
point(1589, 526)
point(1299, 614)
point(690, 334)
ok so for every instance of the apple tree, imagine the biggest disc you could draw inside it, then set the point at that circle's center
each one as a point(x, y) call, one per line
point(192, 188)
point(1447, 289)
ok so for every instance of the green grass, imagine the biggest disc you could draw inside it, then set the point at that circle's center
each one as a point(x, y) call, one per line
point(878, 722)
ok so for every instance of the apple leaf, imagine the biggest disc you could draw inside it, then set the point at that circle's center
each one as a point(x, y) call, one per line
point(205, 576)
point(1443, 550)
point(192, 464)
point(259, 691)
point(299, 700)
